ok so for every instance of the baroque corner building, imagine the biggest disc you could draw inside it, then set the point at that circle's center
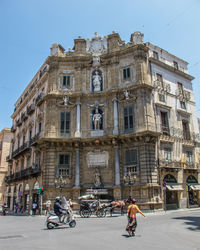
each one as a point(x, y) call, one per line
point(110, 118)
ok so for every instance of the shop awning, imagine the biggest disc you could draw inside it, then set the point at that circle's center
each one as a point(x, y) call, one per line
point(195, 187)
point(174, 187)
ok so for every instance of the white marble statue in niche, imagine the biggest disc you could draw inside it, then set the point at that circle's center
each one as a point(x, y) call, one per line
point(97, 119)
point(97, 80)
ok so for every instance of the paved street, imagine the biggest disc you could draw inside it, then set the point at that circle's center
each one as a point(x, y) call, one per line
point(173, 230)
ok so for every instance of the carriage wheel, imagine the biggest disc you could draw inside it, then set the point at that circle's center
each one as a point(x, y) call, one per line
point(85, 213)
point(101, 213)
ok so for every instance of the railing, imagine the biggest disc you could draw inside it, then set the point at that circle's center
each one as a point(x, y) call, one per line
point(25, 173)
point(39, 99)
point(162, 86)
point(183, 94)
point(170, 164)
point(20, 149)
point(30, 109)
point(178, 133)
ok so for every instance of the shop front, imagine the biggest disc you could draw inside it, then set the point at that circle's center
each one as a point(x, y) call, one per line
point(172, 192)
point(193, 191)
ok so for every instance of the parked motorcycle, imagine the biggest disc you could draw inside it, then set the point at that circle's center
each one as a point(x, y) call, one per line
point(67, 218)
point(4, 209)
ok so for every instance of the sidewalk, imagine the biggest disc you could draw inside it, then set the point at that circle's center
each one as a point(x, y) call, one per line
point(148, 212)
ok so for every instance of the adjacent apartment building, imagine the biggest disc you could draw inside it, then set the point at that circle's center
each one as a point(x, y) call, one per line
point(5, 140)
point(110, 118)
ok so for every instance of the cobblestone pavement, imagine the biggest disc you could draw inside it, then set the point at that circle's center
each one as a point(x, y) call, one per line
point(173, 230)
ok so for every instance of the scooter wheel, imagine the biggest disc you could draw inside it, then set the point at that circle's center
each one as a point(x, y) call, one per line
point(72, 223)
point(50, 225)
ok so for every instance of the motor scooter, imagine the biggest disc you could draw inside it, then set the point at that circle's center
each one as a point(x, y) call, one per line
point(4, 209)
point(66, 218)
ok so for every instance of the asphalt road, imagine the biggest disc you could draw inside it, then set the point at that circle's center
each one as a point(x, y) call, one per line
point(159, 231)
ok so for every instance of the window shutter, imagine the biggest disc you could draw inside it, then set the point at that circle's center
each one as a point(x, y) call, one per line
point(64, 80)
point(128, 73)
point(124, 73)
point(68, 80)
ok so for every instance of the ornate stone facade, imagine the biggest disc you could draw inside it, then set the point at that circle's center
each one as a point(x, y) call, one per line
point(91, 115)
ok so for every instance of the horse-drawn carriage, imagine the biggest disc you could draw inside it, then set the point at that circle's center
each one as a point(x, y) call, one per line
point(89, 206)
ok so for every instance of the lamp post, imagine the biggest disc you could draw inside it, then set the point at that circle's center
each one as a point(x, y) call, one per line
point(129, 179)
point(59, 183)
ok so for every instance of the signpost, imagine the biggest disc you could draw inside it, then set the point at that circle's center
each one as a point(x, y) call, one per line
point(164, 191)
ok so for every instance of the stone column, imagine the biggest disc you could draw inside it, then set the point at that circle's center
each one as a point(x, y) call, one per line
point(77, 176)
point(78, 120)
point(115, 131)
point(117, 169)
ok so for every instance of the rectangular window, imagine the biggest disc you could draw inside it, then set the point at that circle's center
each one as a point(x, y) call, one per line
point(65, 122)
point(131, 157)
point(66, 81)
point(189, 157)
point(167, 154)
point(39, 127)
point(161, 98)
point(131, 161)
point(155, 55)
point(63, 166)
point(129, 118)
point(159, 77)
point(23, 142)
point(175, 65)
point(164, 123)
point(126, 73)
point(180, 88)
point(182, 104)
point(186, 130)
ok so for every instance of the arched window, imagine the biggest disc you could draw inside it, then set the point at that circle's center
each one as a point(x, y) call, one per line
point(97, 119)
point(191, 179)
point(36, 185)
point(169, 179)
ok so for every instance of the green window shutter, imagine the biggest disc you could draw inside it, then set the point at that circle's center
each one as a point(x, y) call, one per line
point(128, 73)
point(68, 80)
point(64, 81)
point(62, 122)
point(124, 73)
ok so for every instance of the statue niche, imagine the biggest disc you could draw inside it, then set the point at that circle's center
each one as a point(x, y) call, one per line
point(97, 80)
point(97, 119)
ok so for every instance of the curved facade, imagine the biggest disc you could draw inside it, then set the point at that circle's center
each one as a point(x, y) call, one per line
point(97, 120)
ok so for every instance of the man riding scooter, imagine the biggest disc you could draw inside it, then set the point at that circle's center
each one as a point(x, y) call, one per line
point(58, 208)
point(62, 216)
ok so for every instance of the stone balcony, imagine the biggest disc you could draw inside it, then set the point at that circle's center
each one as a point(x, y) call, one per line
point(24, 174)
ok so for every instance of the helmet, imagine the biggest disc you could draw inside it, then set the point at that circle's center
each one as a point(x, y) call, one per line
point(57, 198)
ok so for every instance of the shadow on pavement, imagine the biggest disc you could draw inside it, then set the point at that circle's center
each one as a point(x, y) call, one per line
point(192, 221)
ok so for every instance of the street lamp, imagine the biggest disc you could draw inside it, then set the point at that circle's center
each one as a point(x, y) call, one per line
point(59, 183)
point(129, 179)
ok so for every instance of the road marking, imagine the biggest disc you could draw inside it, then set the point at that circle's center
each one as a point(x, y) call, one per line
point(10, 237)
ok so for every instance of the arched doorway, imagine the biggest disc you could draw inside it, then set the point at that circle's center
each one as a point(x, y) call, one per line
point(193, 189)
point(26, 197)
point(172, 189)
point(35, 198)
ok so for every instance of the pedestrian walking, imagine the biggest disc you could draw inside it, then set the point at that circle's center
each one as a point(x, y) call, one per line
point(48, 206)
point(132, 222)
point(34, 207)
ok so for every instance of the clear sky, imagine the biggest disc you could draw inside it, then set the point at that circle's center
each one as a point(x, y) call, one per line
point(29, 27)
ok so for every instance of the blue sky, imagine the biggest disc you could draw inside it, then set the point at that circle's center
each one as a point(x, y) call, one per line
point(29, 27)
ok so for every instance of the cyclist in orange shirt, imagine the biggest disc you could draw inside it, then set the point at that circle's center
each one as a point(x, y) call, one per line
point(132, 222)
